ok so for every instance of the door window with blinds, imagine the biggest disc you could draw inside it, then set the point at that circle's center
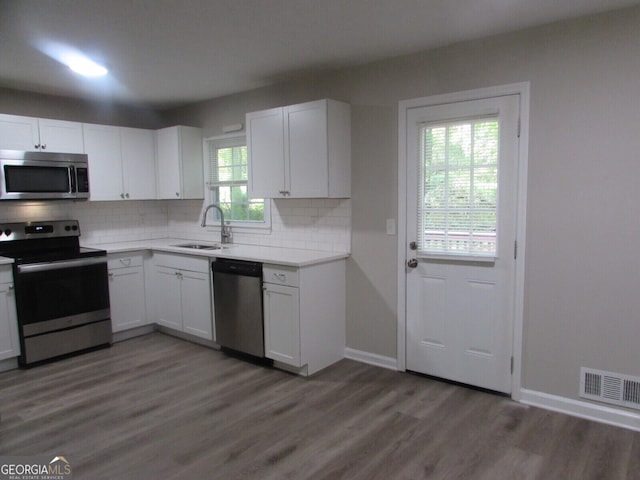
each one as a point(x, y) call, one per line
point(458, 188)
point(228, 179)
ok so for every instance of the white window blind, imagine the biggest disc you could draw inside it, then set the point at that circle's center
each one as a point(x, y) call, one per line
point(458, 188)
point(228, 179)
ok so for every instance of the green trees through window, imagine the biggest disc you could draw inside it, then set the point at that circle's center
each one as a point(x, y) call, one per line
point(459, 187)
point(229, 179)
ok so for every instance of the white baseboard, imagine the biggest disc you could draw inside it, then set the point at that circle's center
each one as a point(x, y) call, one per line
point(579, 408)
point(371, 358)
point(132, 333)
point(8, 364)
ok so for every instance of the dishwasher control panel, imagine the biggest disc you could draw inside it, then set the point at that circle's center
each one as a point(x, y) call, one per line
point(238, 267)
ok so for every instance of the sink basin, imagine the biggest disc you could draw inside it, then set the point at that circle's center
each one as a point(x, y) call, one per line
point(198, 246)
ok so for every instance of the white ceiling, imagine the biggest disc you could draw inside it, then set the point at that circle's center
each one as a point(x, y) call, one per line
point(171, 52)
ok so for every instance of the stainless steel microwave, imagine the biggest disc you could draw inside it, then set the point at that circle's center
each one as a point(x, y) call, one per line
point(43, 175)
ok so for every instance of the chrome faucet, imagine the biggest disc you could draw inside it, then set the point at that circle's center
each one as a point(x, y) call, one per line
point(225, 231)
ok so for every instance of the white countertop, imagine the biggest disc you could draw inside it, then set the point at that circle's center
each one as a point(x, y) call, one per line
point(256, 253)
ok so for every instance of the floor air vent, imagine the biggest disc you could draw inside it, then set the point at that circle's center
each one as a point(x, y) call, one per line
point(608, 387)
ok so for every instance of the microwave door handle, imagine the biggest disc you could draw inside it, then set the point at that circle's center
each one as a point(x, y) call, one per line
point(72, 179)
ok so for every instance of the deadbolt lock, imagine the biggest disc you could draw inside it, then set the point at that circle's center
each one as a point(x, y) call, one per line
point(413, 245)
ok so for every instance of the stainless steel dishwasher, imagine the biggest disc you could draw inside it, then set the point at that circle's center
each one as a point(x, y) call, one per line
point(237, 299)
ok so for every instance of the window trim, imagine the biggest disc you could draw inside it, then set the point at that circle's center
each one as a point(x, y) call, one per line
point(446, 253)
point(230, 140)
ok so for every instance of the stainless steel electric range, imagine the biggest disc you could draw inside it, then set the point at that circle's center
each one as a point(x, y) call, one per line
point(61, 289)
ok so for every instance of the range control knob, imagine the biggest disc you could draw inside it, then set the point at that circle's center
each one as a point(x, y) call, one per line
point(67, 228)
point(8, 232)
point(74, 228)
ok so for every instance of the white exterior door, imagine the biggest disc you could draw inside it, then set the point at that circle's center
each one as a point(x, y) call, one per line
point(461, 232)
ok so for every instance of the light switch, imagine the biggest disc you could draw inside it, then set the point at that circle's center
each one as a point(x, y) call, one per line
point(391, 226)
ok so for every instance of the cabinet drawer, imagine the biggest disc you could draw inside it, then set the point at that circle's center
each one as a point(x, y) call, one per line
point(182, 262)
point(280, 275)
point(124, 261)
point(6, 274)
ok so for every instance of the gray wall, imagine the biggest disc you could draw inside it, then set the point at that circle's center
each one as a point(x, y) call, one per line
point(18, 102)
point(583, 224)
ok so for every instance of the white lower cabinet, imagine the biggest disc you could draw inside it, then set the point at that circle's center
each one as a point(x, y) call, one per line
point(282, 323)
point(9, 342)
point(167, 297)
point(304, 315)
point(127, 291)
point(304, 307)
point(182, 294)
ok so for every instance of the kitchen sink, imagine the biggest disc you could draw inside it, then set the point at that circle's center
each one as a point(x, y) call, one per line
point(198, 246)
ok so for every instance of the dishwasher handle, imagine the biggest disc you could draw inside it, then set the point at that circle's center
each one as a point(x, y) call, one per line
point(237, 267)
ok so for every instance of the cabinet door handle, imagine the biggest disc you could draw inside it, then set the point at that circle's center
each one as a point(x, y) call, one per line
point(177, 194)
point(280, 276)
point(125, 261)
point(122, 195)
point(37, 146)
point(44, 146)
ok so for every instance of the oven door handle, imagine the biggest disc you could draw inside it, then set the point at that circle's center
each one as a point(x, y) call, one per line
point(45, 267)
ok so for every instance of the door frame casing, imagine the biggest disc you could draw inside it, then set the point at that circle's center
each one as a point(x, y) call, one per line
point(523, 90)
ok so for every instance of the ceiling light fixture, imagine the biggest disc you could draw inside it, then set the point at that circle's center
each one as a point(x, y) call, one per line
point(86, 67)
point(73, 58)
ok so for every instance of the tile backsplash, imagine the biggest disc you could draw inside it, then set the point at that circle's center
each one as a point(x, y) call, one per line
point(312, 224)
point(318, 224)
point(100, 222)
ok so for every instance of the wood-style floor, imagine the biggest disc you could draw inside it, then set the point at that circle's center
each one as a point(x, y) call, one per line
point(160, 408)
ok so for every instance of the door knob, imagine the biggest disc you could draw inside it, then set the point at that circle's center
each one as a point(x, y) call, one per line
point(412, 263)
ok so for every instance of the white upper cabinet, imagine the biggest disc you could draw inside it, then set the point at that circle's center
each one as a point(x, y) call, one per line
point(265, 150)
point(300, 151)
point(33, 134)
point(121, 162)
point(138, 148)
point(180, 173)
point(102, 145)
